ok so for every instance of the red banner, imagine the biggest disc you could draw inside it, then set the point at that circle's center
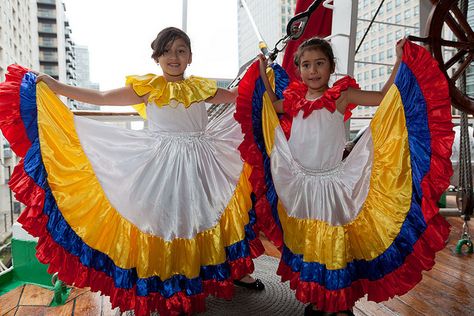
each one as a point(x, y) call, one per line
point(319, 24)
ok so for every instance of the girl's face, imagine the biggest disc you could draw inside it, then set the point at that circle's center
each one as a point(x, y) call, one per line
point(175, 60)
point(315, 69)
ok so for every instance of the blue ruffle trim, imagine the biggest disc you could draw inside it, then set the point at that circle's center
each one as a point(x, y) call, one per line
point(281, 82)
point(28, 111)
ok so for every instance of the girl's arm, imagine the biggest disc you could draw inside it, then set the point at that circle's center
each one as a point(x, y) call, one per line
point(224, 96)
point(121, 96)
point(277, 103)
point(373, 98)
point(229, 96)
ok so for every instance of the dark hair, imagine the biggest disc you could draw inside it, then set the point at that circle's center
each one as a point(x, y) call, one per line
point(315, 43)
point(166, 36)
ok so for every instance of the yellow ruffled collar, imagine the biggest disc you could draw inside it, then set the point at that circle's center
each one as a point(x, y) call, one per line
point(188, 91)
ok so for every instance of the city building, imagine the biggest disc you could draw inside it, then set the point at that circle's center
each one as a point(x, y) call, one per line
point(270, 17)
point(223, 83)
point(83, 75)
point(396, 19)
point(56, 48)
point(376, 55)
point(18, 38)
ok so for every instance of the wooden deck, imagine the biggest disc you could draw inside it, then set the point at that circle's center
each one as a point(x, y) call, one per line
point(32, 300)
point(448, 289)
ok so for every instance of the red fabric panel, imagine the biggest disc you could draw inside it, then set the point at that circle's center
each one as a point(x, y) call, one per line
point(319, 24)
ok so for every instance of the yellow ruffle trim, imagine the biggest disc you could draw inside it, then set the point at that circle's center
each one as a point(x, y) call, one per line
point(86, 209)
point(385, 209)
point(187, 91)
point(270, 119)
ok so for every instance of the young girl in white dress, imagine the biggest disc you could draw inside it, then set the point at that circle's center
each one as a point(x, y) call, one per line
point(156, 219)
point(364, 225)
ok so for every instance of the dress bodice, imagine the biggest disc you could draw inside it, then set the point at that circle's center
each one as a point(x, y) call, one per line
point(177, 107)
point(317, 141)
point(175, 117)
point(317, 128)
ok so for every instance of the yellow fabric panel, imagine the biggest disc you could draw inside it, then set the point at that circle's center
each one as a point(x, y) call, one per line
point(86, 209)
point(141, 109)
point(144, 84)
point(384, 210)
point(187, 91)
point(269, 116)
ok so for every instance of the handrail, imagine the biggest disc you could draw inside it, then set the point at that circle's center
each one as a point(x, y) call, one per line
point(103, 113)
point(134, 114)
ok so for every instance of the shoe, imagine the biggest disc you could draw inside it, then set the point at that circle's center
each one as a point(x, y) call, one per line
point(309, 311)
point(257, 285)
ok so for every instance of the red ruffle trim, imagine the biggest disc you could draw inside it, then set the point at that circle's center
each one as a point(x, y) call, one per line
point(435, 90)
point(256, 250)
point(295, 98)
point(252, 155)
point(71, 271)
point(11, 122)
point(398, 282)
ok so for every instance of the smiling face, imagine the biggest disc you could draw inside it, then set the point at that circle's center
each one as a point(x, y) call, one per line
point(315, 70)
point(175, 59)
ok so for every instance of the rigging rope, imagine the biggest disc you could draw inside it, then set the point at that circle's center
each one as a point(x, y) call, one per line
point(465, 194)
point(370, 25)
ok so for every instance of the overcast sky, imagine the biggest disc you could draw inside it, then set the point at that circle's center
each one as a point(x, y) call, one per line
point(119, 33)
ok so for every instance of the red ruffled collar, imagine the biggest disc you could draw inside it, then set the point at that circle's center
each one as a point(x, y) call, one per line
point(295, 98)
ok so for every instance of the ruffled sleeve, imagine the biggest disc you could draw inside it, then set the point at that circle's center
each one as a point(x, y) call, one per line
point(187, 91)
point(342, 85)
point(293, 95)
point(143, 85)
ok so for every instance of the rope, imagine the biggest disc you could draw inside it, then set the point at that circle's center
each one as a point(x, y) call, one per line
point(465, 176)
point(370, 25)
point(465, 169)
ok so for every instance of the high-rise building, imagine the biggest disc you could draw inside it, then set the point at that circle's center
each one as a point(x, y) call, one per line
point(18, 38)
point(83, 64)
point(223, 83)
point(396, 19)
point(376, 56)
point(71, 64)
point(83, 75)
point(271, 18)
point(56, 48)
point(18, 45)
